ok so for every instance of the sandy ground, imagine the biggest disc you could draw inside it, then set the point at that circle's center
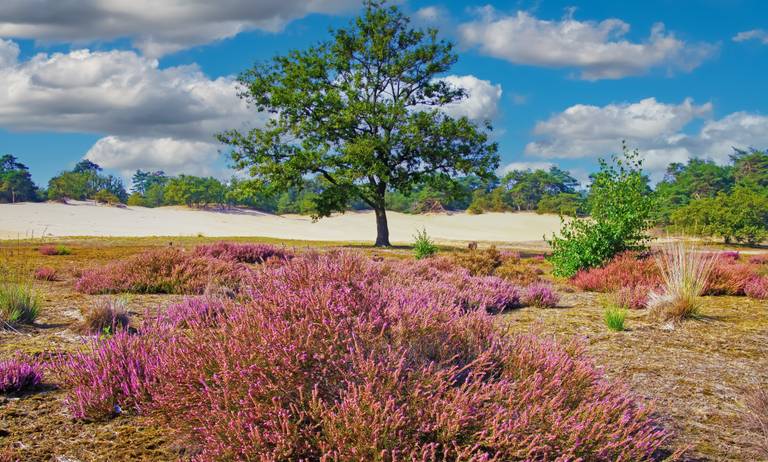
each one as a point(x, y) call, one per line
point(88, 219)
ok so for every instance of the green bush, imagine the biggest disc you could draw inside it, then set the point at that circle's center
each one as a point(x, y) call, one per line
point(620, 207)
point(423, 246)
point(103, 196)
point(18, 304)
point(568, 204)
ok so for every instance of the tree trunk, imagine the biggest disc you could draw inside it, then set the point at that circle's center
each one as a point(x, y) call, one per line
point(382, 229)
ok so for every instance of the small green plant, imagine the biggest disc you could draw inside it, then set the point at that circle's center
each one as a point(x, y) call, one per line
point(614, 317)
point(19, 304)
point(423, 246)
point(63, 250)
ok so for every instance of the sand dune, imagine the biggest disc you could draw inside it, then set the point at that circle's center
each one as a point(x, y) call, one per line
point(89, 219)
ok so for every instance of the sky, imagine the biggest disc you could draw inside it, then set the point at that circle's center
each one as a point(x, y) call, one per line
point(146, 84)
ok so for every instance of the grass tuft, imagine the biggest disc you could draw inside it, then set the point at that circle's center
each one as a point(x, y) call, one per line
point(685, 275)
point(19, 304)
point(614, 317)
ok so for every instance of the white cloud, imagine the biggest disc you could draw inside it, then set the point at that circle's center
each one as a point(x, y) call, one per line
point(431, 14)
point(127, 154)
point(9, 53)
point(598, 49)
point(128, 98)
point(156, 27)
point(525, 166)
point(482, 102)
point(657, 129)
point(760, 35)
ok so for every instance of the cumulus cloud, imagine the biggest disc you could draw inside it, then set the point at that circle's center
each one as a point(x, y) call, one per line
point(482, 102)
point(526, 166)
point(157, 27)
point(657, 129)
point(760, 35)
point(598, 49)
point(170, 115)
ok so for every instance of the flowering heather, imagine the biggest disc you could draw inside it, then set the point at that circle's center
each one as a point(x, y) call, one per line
point(541, 295)
point(729, 278)
point(242, 253)
point(18, 374)
point(166, 270)
point(633, 298)
point(728, 255)
point(625, 270)
point(761, 259)
point(112, 376)
point(518, 272)
point(45, 273)
point(757, 287)
point(336, 357)
point(50, 250)
point(479, 262)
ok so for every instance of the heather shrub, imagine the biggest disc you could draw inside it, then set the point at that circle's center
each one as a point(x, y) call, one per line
point(761, 259)
point(519, 272)
point(757, 415)
point(633, 298)
point(166, 270)
point(105, 316)
point(242, 253)
point(54, 250)
point(113, 375)
point(19, 374)
point(335, 357)
point(479, 262)
point(729, 278)
point(614, 317)
point(423, 246)
point(45, 273)
point(757, 287)
point(628, 269)
point(685, 274)
point(540, 295)
point(18, 304)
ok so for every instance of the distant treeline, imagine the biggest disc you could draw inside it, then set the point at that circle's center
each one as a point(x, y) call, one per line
point(699, 197)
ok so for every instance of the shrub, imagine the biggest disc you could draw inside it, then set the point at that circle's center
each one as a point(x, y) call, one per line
point(633, 298)
point(423, 246)
point(757, 288)
point(242, 253)
point(614, 317)
point(729, 278)
point(540, 295)
point(114, 375)
point(167, 270)
point(19, 374)
point(518, 272)
point(757, 415)
point(759, 259)
point(628, 269)
point(479, 262)
point(18, 304)
point(620, 214)
point(45, 273)
point(50, 250)
point(103, 196)
point(106, 316)
point(334, 357)
point(685, 274)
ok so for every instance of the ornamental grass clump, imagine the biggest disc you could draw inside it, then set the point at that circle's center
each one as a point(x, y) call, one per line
point(685, 274)
point(19, 304)
point(19, 374)
point(166, 270)
point(336, 357)
point(614, 316)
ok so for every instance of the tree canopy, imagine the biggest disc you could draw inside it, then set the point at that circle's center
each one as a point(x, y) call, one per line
point(362, 111)
point(15, 181)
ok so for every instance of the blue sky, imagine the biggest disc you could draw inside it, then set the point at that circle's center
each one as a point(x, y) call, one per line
point(147, 84)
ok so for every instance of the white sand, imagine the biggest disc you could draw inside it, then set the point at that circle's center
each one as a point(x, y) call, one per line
point(88, 219)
